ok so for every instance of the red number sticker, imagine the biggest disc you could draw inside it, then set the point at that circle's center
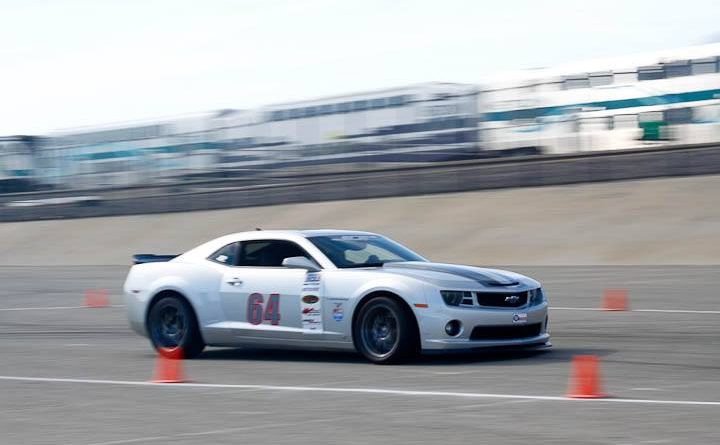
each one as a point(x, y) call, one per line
point(272, 309)
point(255, 313)
point(255, 308)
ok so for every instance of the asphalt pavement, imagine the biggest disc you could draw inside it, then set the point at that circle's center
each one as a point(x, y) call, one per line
point(659, 363)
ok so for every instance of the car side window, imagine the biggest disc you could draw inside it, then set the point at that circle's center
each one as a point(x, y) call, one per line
point(226, 255)
point(268, 253)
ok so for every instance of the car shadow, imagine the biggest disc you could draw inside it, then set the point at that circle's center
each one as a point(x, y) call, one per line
point(518, 357)
point(515, 356)
point(280, 355)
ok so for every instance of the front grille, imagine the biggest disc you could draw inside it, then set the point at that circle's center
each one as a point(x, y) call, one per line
point(505, 332)
point(502, 299)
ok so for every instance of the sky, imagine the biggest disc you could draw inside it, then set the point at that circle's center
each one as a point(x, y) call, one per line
point(72, 63)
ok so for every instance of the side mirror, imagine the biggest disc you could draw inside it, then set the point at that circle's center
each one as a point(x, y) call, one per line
point(300, 262)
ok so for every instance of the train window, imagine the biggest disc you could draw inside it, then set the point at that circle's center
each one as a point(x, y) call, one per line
point(651, 72)
point(626, 77)
point(397, 100)
point(678, 116)
point(378, 103)
point(344, 107)
point(599, 79)
point(600, 123)
point(574, 82)
point(311, 111)
point(360, 105)
point(704, 66)
point(677, 69)
point(625, 121)
point(651, 116)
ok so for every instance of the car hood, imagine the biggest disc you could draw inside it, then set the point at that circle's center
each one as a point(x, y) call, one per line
point(454, 276)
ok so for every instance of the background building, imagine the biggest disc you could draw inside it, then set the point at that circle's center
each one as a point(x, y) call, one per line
point(620, 103)
point(670, 97)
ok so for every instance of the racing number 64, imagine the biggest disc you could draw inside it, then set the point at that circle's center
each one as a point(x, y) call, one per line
point(255, 313)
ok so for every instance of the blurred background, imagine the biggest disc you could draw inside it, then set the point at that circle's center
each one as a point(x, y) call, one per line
point(241, 89)
point(663, 99)
point(146, 108)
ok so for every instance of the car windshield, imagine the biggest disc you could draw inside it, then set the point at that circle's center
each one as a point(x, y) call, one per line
point(362, 250)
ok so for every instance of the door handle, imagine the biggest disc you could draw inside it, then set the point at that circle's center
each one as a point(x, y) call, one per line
point(234, 282)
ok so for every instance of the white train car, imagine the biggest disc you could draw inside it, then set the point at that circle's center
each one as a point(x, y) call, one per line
point(17, 157)
point(419, 122)
point(18, 163)
point(669, 97)
point(128, 154)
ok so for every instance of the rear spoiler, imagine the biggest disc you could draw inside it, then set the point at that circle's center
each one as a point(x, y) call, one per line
point(142, 258)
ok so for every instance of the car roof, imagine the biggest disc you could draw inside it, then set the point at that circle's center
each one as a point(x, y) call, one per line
point(203, 250)
point(307, 233)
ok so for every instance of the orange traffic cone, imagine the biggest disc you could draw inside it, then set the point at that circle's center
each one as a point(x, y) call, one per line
point(168, 368)
point(585, 379)
point(615, 300)
point(96, 298)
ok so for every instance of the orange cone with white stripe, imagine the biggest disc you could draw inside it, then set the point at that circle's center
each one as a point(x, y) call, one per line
point(585, 378)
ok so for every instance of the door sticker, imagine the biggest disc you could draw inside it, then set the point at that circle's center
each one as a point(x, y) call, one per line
point(311, 313)
point(312, 282)
point(256, 314)
point(338, 312)
point(311, 305)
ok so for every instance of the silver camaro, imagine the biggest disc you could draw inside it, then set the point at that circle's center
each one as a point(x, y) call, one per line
point(328, 289)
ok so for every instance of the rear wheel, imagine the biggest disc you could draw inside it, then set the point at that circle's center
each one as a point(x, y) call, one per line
point(385, 331)
point(172, 325)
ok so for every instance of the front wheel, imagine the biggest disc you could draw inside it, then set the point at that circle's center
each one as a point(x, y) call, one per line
point(172, 326)
point(385, 331)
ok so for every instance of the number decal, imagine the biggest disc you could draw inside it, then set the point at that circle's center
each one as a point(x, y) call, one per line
point(272, 310)
point(255, 308)
point(255, 313)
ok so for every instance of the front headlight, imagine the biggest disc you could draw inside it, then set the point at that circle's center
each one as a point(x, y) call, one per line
point(455, 297)
point(536, 296)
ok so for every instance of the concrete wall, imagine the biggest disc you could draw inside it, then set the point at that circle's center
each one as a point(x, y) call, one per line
point(658, 221)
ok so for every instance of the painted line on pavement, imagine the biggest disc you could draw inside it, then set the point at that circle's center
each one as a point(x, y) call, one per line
point(54, 308)
point(555, 308)
point(665, 311)
point(380, 391)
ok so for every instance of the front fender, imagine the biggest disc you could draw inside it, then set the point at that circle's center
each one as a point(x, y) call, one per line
point(411, 291)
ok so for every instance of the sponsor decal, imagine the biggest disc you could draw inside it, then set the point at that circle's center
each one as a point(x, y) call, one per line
point(311, 313)
point(312, 279)
point(519, 317)
point(338, 312)
point(310, 299)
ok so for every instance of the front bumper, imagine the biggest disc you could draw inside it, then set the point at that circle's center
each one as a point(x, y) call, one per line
point(497, 327)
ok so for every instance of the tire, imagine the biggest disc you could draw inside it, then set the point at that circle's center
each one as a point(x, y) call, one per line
point(173, 327)
point(385, 331)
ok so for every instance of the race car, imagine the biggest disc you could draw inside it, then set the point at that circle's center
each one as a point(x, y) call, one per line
point(328, 289)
